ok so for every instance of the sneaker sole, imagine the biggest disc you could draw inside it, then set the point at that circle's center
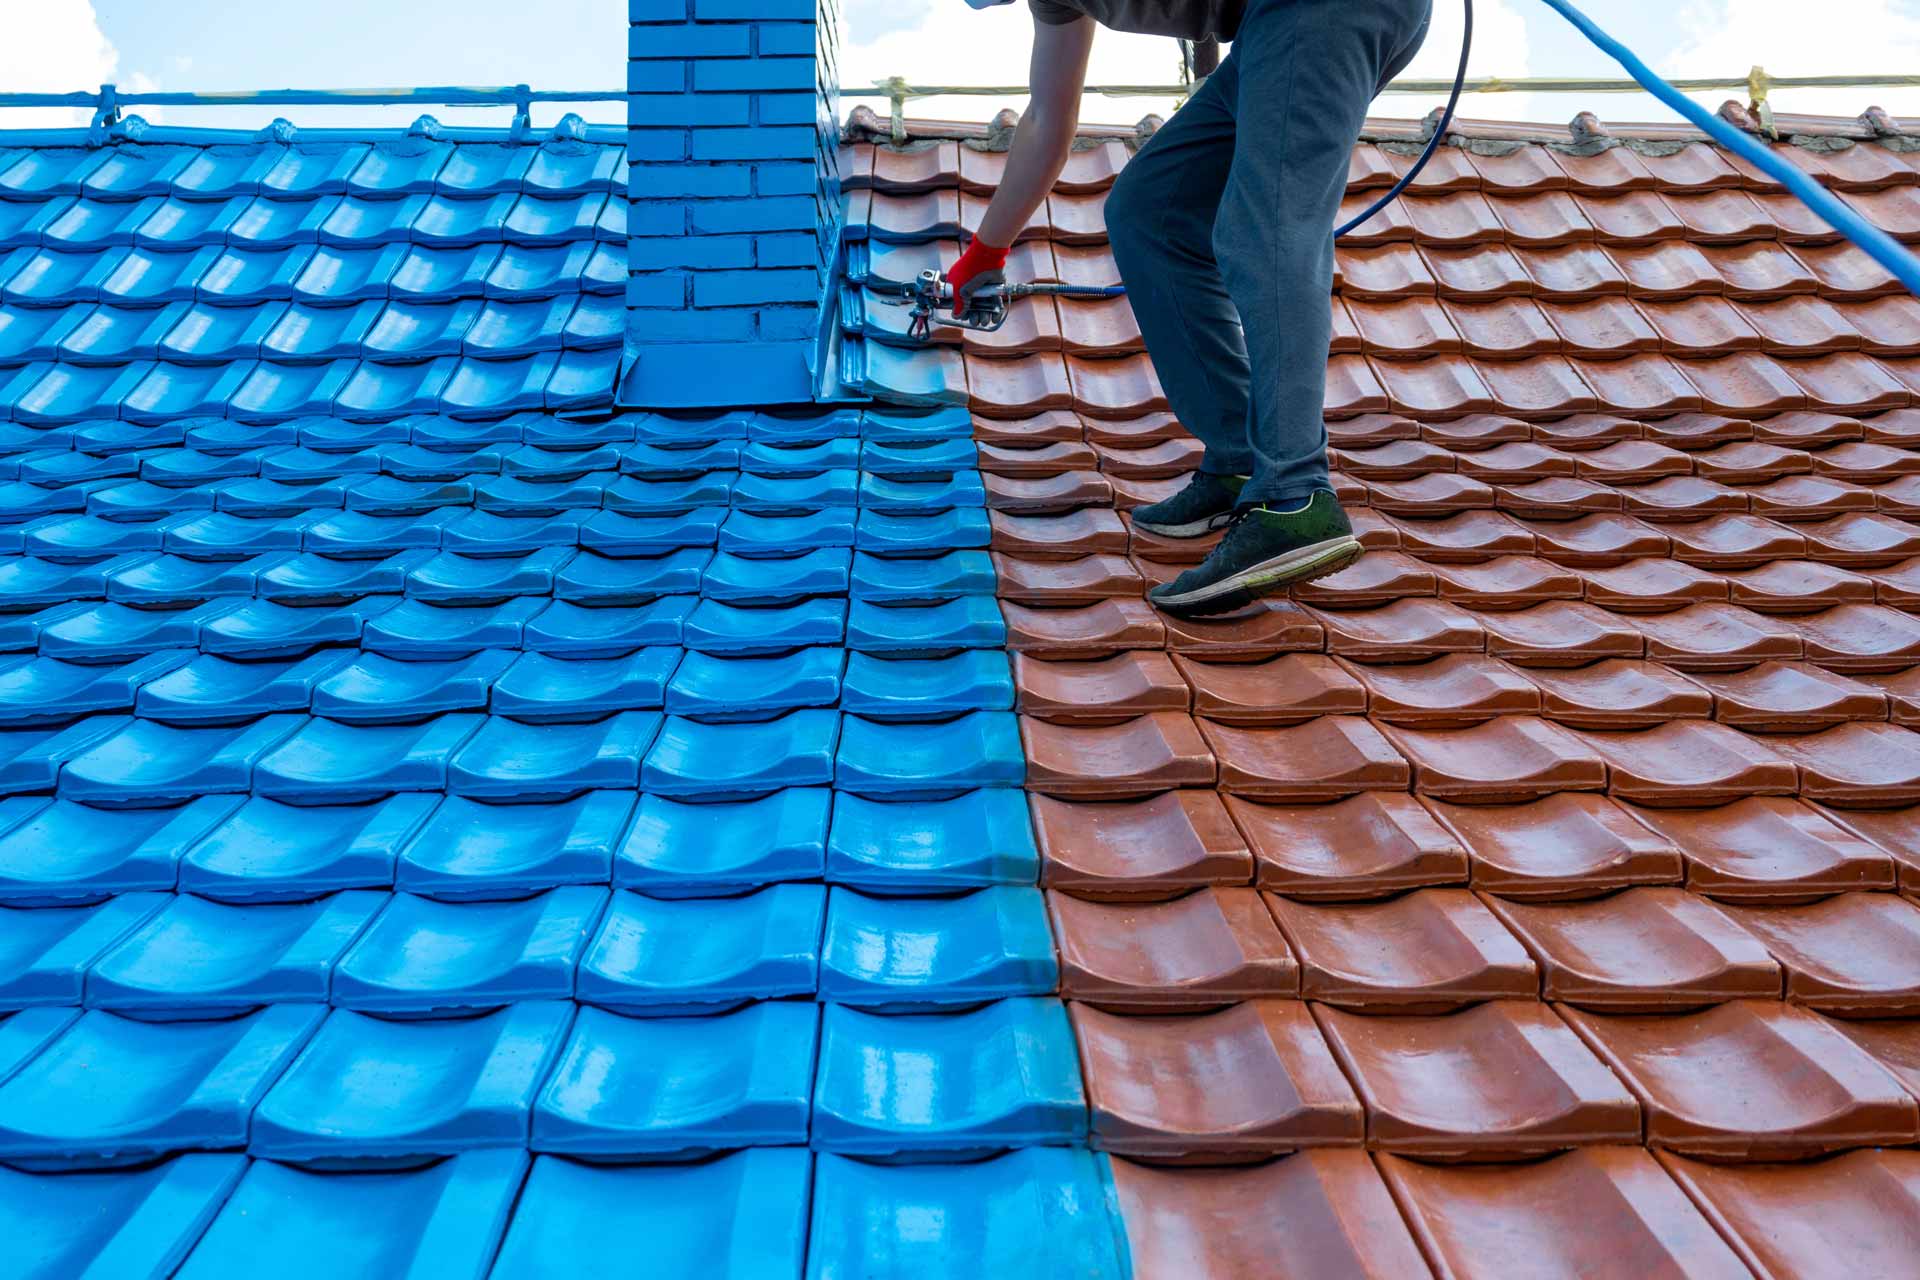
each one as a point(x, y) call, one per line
point(1307, 564)
point(1195, 529)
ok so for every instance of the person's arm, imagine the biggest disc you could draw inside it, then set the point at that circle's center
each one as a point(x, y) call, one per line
point(1041, 145)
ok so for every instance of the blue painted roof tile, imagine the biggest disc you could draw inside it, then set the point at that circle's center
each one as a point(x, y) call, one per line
point(716, 627)
point(593, 579)
point(473, 849)
point(478, 167)
point(487, 533)
point(62, 852)
point(804, 426)
point(228, 535)
point(737, 580)
point(25, 1033)
point(48, 691)
point(962, 528)
point(656, 956)
point(500, 327)
point(912, 630)
point(440, 1222)
point(772, 458)
point(1043, 1211)
point(401, 331)
point(796, 494)
point(114, 1091)
point(146, 763)
point(742, 1216)
point(137, 1222)
point(686, 848)
point(261, 629)
point(373, 689)
point(453, 578)
point(903, 426)
point(960, 1083)
point(615, 533)
point(537, 461)
point(416, 631)
point(428, 958)
point(886, 954)
point(566, 629)
point(118, 634)
point(915, 496)
point(660, 461)
point(728, 761)
point(166, 581)
point(749, 534)
point(307, 168)
point(927, 688)
point(266, 851)
point(369, 1090)
point(978, 749)
point(681, 1086)
point(391, 496)
point(330, 763)
point(45, 952)
point(711, 688)
point(920, 459)
point(312, 578)
point(668, 495)
point(541, 689)
point(222, 691)
point(205, 959)
point(356, 535)
point(400, 167)
point(90, 537)
point(507, 760)
point(927, 846)
point(27, 582)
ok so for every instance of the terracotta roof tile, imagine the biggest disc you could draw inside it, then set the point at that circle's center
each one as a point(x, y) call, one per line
point(1204, 949)
point(1507, 1077)
point(1565, 846)
point(1152, 1094)
point(1642, 950)
point(1751, 1080)
point(1843, 1215)
point(1854, 954)
point(1140, 849)
point(1581, 1213)
point(1429, 951)
point(1614, 725)
point(1320, 1212)
point(1366, 846)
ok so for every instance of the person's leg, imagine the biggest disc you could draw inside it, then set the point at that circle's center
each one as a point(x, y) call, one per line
point(1308, 70)
point(1160, 219)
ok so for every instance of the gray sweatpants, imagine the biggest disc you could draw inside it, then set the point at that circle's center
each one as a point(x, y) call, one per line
point(1222, 227)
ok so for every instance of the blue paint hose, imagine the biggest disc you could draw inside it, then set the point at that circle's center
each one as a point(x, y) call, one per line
point(1836, 213)
point(1877, 244)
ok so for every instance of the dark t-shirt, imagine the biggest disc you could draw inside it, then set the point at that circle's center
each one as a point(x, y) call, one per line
point(1187, 19)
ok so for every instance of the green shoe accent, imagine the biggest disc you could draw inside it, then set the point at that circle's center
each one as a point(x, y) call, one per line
point(1204, 505)
point(1265, 551)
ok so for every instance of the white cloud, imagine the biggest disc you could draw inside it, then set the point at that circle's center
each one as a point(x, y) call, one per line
point(943, 42)
point(1723, 38)
point(1499, 49)
point(52, 46)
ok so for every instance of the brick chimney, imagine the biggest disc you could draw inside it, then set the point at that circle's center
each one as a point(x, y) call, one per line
point(732, 111)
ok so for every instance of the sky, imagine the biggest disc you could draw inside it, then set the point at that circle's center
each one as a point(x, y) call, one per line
point(63, 45)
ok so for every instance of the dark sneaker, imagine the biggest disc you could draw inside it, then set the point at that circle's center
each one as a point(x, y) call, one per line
point(1204, 505)
point(1264, 551)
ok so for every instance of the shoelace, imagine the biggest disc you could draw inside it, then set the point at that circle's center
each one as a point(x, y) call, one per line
point(1238, 516)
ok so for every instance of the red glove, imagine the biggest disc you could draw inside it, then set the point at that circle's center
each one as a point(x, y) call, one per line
point(977, 268)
